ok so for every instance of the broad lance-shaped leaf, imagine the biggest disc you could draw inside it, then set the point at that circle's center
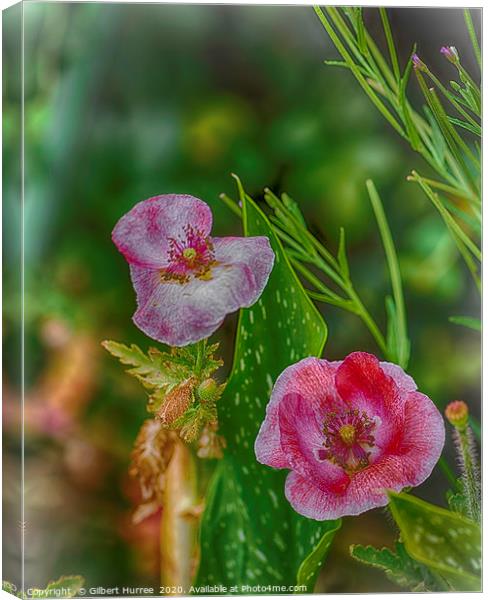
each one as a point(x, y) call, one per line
point(250, 535)
point(443, 540)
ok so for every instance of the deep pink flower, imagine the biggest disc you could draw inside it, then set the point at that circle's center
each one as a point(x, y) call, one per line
point(348, 430)
point(185, 280)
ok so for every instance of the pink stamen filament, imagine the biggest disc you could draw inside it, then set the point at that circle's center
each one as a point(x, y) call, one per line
point(189, 256)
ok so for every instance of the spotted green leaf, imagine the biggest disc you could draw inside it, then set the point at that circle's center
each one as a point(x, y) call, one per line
point(311, 565)
point(445, 541)
point(250, 535)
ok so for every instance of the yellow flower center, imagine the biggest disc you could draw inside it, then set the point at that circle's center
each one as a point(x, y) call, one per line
point(348, 434)
point(189, 253)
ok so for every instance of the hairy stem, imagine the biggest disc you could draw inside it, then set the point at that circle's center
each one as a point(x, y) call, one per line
point(463, 439)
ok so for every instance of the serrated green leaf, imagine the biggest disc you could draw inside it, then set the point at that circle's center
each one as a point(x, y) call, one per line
point(250, 535)
point(443, 540)
point(470, 322)
point(160, 372)
point(457, 501)
point(398, 567)
point(370, 555)
point(154, 369)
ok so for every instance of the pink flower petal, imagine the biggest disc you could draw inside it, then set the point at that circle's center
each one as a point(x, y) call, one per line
point(255, 252)
point(423, 438)
point(142, 235)
point(301, 439)
point(362, 383)
point(183, 313)
point(311, 377)
point(307, 499)
point(268, 443)
point(403, 381)
point(366, 490)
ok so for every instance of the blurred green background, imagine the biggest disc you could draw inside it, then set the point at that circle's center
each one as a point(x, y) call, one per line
point(124, 102)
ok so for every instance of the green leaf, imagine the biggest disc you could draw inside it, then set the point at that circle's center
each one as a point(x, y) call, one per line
point(457, 500)
point(150, 369)
point(470, 322)
point(412, 132)
point(307, 573)
point(293, 207)
point(398, 567)
point(161, 372)
point(443, 540)
point(67, 586)
point(476, 129)
point(250, 535)
point(10, 588)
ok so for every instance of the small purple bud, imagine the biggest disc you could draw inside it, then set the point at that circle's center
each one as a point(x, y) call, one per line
point(450, 53)
point(417, 63)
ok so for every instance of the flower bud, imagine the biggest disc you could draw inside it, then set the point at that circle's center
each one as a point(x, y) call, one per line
point(207, 390)
point(450, 53)
point(176, 402)
point(417, 63)
point(457, 413)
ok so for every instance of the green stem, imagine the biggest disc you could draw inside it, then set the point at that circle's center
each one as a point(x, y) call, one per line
point(231, 204)
point(390, 42)
point(356, 72)
point(449, 220)
point(447, 94)
point(395, 276)
point(200, 347)
point(472, 35)
point(464, 441)
point(449, 189)
point(368, 320)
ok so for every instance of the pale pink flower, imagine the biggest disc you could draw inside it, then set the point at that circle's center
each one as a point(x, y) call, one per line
point(185, 280)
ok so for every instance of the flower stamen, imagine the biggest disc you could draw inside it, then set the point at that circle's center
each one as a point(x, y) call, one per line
point(346, 437)
point(189, 256)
